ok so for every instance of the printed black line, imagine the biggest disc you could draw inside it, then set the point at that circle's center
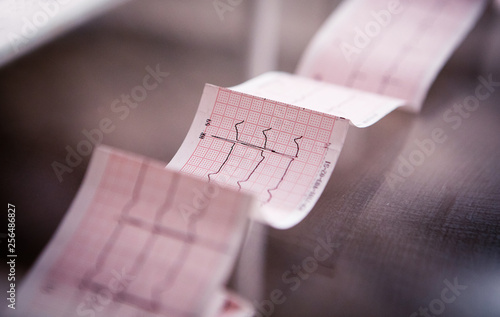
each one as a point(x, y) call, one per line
point(174, 234)
point(223, 163)
point(156, 231)
point(170, 278)
point(229, 154)
point(286, 171)
point(265, 136)
point(253, 171)
point(278, 184)
point(106, 250)
point(355, 72)
point(147, 305)
point(297, 144)
point(162, 210)
point(236, 128)
point(424, 26)
point(108, 246)
point(135, 301)
point(263, 148)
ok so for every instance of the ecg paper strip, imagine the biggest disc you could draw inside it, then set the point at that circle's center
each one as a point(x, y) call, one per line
point(280, 153)
point(397, 53)
point(278, 136)
point(361, 108)
point(141, 241)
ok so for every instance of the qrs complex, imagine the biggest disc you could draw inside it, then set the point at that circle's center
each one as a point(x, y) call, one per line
point(262, 149)
point(270, 149)
point(286, 170)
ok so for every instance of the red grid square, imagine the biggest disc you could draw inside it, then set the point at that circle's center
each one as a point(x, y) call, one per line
point(265, 147)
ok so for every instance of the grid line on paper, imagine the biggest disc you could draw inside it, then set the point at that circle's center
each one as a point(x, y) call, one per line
point(422, 29)
point(268, 148)
point(142, 232)
point(413, 52)
point(105, 251)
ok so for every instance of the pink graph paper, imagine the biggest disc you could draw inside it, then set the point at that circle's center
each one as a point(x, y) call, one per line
point(280, 153)
point(139, 240)
point(393, 48)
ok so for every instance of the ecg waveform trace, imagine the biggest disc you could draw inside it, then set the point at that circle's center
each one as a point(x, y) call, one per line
point(399, 62)
point(134, 228)
point(268, 148)
point(262, 148)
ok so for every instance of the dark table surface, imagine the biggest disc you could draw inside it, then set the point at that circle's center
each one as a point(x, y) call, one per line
point(407, 216)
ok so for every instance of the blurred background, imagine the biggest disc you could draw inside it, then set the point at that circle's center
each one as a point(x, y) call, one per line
point(395, 247)
point(52, 93)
